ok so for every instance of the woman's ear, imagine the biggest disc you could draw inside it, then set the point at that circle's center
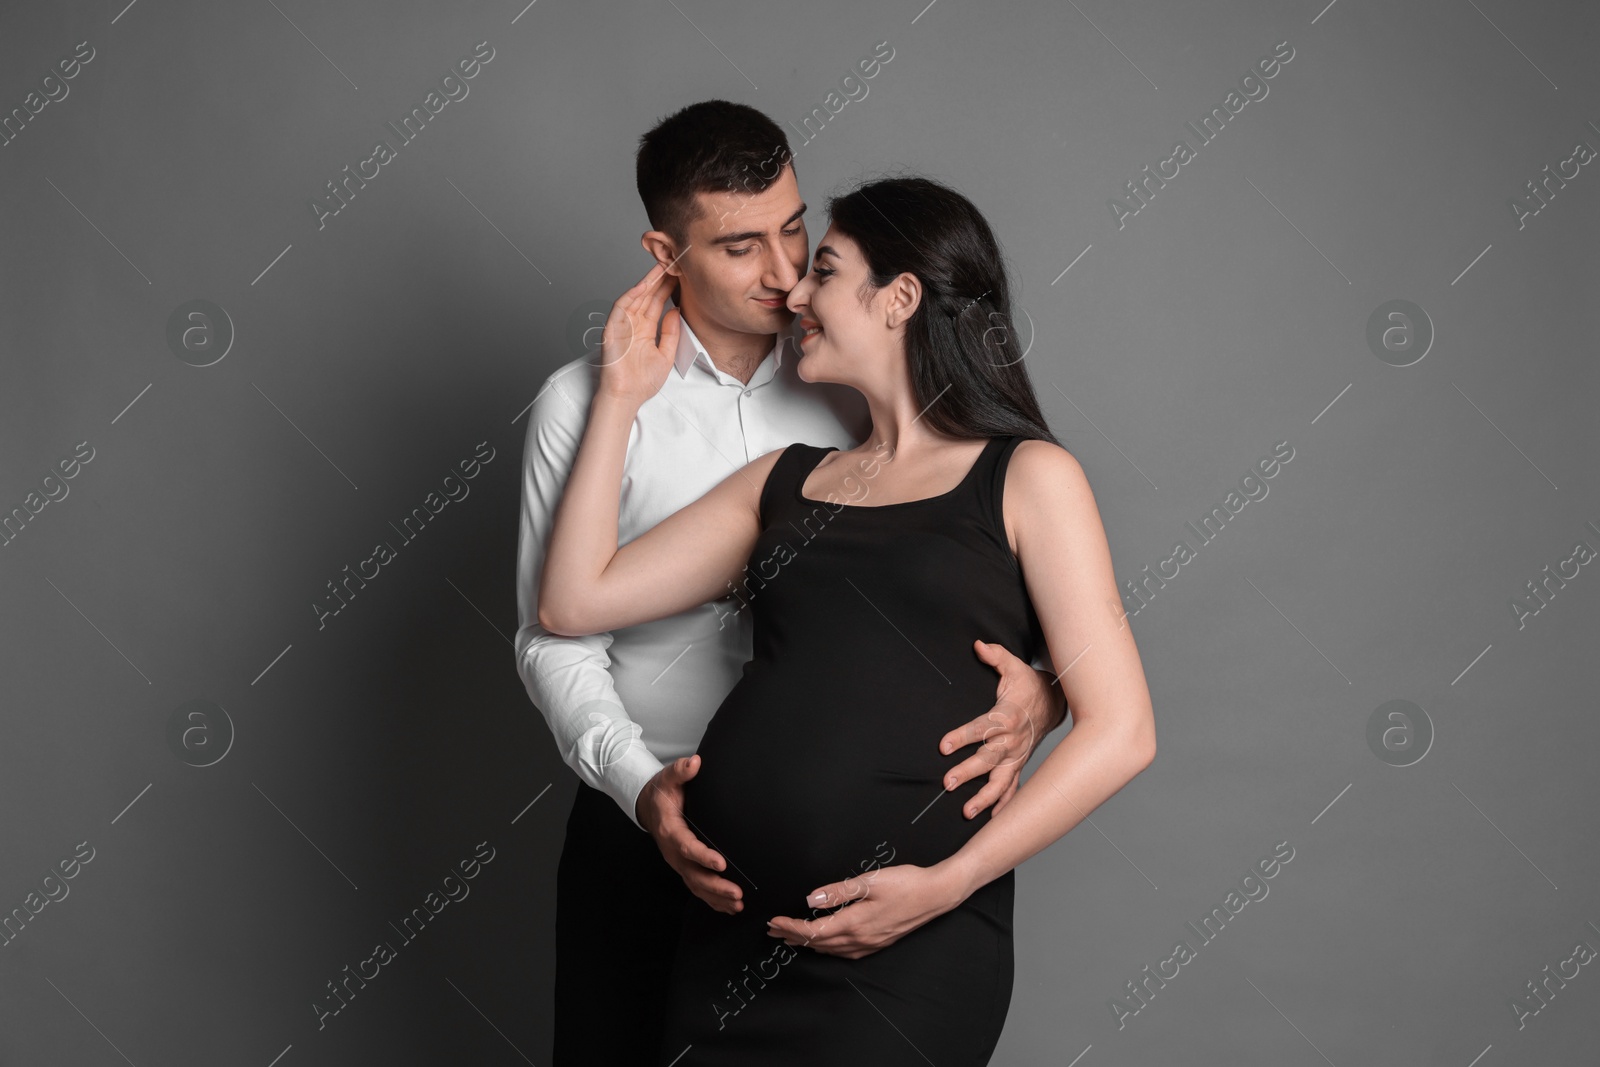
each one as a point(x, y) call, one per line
point(904, 296)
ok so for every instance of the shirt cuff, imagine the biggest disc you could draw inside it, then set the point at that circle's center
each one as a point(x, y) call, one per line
point(625, 779)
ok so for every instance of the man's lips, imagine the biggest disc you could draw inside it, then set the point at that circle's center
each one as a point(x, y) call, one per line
point(774, 303)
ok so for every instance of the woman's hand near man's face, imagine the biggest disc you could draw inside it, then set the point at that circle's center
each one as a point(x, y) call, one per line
point(633, 365)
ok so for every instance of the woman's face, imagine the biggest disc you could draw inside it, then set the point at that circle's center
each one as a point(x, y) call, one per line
point(841, 335)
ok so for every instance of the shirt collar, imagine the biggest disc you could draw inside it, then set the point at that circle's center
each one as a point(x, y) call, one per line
point(690, 349)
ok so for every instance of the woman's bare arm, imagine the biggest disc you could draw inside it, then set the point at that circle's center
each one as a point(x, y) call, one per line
point(589, 585)
point(1066, 565)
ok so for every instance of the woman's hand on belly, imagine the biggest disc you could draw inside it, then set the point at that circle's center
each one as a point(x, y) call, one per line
point(880, 908)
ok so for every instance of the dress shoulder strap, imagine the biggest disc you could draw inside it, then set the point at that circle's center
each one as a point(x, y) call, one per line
point(785, 477)
point(992, 486)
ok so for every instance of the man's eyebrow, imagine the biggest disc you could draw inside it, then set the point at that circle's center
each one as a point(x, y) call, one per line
point(750, 235)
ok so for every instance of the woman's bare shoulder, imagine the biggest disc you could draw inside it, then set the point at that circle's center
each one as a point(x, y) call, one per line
point(1043, 466)
point(1045, 484)
point(1048, 501)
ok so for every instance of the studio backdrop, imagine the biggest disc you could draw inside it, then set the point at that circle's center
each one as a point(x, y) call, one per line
point(1307, 288)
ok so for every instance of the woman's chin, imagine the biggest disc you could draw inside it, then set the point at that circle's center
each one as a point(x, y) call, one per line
point(807, 369)
point(814, 363)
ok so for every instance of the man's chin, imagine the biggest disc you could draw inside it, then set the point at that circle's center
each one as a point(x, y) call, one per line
point(755, 319)
point(768, 321)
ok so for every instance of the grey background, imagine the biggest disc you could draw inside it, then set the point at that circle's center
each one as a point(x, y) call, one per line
point(371, 755)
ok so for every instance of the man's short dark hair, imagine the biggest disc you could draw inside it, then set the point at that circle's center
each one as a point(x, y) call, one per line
point(713, 146)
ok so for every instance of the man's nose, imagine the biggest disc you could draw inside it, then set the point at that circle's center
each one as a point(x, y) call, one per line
point(781, 273)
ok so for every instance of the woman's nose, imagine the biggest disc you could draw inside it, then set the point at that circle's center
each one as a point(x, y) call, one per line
point(798, 295)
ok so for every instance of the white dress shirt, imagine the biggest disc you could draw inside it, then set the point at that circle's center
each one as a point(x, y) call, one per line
point(623, 704)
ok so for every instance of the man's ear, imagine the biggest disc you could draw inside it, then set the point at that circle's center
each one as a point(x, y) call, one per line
point(663, 249)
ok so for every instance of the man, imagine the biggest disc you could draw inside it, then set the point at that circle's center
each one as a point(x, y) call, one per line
point(627, 709)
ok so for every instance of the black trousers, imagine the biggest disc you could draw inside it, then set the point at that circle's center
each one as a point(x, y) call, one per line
point(618, 908)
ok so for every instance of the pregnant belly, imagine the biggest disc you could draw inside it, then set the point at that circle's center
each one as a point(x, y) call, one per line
point(801, 785)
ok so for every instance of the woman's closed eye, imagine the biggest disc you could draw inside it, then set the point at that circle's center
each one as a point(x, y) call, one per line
point(822, 272)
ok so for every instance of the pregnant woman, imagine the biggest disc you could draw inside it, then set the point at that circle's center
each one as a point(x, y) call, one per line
point(867, 573)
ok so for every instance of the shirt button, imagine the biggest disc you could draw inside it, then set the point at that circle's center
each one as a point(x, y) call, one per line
point(747, 392)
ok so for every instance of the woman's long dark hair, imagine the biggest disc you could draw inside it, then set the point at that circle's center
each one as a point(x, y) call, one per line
point(961, 345)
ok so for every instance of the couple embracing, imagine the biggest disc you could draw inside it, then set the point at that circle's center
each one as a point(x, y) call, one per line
point(804, 579)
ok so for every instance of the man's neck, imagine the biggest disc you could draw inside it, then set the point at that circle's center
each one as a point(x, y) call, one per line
point(734, 354)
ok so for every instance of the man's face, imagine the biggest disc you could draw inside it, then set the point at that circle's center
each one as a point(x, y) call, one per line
point(745, 252)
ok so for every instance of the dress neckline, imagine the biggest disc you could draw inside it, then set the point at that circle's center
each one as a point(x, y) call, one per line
point(800, 483)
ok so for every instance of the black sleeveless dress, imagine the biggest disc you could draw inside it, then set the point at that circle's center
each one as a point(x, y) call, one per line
point(823, 763)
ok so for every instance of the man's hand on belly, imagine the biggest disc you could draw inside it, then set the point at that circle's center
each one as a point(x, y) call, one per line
point(660, 811)
point(1027, 706)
